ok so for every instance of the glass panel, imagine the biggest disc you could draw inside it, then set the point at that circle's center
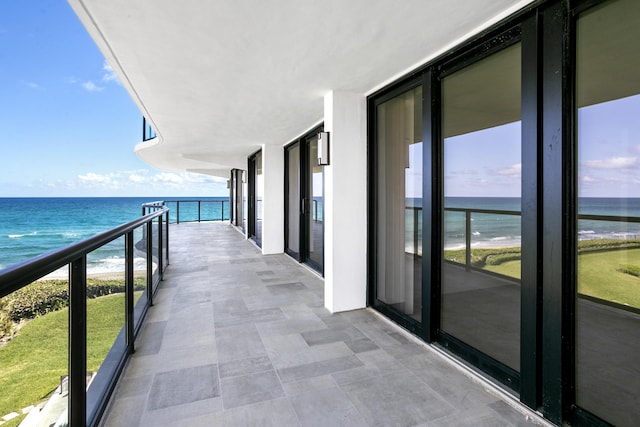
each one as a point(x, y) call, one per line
point(481, 252)
point(34, 338)
point(608, 239)
point(154, 253)
point(105, 306)
point(315, 191)
point(399, 205)
point(140, 273)
point(293, 199)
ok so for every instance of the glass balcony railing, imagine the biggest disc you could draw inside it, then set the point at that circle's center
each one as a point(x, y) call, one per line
point(77, 332)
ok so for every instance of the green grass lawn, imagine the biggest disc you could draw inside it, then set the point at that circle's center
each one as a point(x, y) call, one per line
point(601, 275)
point(607, 269)
point(33, 362)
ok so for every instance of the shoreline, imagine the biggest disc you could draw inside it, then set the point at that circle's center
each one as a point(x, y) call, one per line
point(63, 274)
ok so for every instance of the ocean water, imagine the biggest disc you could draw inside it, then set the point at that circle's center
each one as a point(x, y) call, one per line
point(32, 226)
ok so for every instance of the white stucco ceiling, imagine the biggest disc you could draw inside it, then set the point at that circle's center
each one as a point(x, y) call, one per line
point(219, 78)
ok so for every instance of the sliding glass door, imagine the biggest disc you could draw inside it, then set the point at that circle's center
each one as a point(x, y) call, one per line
point(304, 204)
point(313, 215)
point(398, 206)
point(256, 193)
point(293, 200)
point(481, 235)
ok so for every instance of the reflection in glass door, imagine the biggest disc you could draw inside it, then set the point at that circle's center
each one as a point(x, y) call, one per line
point(481, 215)
point(314, 207)
point(607, 302)
point(293, 200)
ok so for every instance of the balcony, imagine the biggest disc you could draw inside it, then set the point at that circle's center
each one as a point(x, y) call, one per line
point(238, 338)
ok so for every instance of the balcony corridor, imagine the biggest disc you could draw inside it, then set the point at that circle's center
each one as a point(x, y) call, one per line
point(236, 338)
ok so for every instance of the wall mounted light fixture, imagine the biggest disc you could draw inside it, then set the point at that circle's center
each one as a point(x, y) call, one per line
point(323, 148)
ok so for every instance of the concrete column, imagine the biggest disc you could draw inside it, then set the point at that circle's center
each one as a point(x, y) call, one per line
point(273, 202)
point(345, 255)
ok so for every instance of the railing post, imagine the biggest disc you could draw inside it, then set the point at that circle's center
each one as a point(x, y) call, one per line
point(150, 262)
point(178, 212)
point(160, 260)
point(198, 210)
point(78, 342)
point(415, 229)
point(167, 237)
point(222, 219)
point(129, 285)
point(467, 232)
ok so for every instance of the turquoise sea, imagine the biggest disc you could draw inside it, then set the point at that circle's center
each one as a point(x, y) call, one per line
point(32, 226)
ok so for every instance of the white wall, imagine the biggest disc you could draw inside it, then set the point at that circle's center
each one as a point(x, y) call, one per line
point(273, 201)
point(346, 202)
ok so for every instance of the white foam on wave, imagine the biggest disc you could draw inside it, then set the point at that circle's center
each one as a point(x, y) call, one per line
point(17, 236)
point(586, 232)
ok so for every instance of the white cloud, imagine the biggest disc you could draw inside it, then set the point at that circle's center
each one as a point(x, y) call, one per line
point(109, 75)
point(92, 87)
point(94, 177)
point(612, 163)
point(168, 178)
point(513, 170)
point(587, 179)
point(137, 178)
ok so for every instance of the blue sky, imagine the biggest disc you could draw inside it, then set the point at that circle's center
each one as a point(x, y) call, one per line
point(67, 126)
point(487, 163)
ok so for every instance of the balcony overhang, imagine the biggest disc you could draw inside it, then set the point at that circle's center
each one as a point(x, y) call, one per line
point(218, 79)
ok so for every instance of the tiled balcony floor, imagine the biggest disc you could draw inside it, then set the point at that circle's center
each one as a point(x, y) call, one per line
point(240, 339)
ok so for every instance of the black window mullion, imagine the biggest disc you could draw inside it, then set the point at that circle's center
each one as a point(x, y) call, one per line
point(531, 192)
point(431, 202)
point(558, 200)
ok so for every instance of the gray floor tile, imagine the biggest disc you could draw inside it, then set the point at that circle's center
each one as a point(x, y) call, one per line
point(271, 413)
point(252, 388)
point(239, 342)
point(315, 369)
point(309, 384)
point(286, 288)
point(361, 345)
point(326, 407)
point(184, 386)
point(324, 336)
point(396, 400)
point(180, 415)
point(241, 367)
